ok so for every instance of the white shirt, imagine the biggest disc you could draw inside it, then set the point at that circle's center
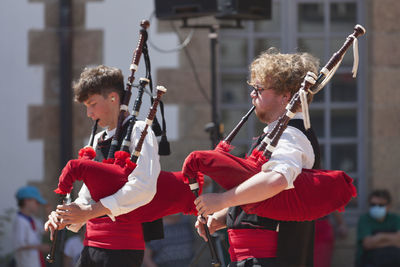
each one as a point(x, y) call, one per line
point(24, 236)
point(142, 182)
point(292, 153)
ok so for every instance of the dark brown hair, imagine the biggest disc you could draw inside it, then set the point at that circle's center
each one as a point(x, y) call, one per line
point(98, 80)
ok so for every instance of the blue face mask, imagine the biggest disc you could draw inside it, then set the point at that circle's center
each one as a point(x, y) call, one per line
point(377, 212)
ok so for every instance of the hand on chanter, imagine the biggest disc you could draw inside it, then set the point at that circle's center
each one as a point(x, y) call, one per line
point(207, 204)
point(199, 225)
point(214, 223)
point(53, 223)
point(73, 213)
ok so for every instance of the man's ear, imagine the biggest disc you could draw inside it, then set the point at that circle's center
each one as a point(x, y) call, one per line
point(287, 97)
point(114, 97)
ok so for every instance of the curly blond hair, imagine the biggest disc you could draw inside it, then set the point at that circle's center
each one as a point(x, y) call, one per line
point(98, 80)
point(282, 73)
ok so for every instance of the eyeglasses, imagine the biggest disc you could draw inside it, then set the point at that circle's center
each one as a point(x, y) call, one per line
point(255, 87)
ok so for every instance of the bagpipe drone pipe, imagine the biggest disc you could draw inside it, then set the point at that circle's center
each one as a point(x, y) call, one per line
point(316, 193)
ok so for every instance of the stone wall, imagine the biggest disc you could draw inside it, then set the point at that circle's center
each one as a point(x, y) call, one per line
point(384, 75)
point(44, 120)
point(194, 109)
point(382, 85)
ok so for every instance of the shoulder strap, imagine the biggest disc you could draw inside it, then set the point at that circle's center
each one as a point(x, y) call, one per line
point(103, 146)
point(310, 134)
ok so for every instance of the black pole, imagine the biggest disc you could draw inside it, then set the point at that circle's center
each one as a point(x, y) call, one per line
point(65, 74)
point(215, 133)
point(214, 127)
point(65, 104)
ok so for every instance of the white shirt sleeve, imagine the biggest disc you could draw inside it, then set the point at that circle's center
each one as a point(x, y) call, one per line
point(142, 182)
point(292, 153)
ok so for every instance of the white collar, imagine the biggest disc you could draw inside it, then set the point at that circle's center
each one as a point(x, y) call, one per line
point(269, 127)
point(111, 133)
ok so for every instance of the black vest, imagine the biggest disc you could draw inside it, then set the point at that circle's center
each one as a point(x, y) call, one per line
point(151, 230)
point(295, 239)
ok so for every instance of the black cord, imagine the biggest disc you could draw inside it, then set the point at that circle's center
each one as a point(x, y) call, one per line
point(192, 66)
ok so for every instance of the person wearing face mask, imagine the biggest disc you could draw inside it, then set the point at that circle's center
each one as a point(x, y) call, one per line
point(378, 233)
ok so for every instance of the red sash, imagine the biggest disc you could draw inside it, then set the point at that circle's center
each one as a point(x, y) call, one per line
point(252, 243)
point(122, 234)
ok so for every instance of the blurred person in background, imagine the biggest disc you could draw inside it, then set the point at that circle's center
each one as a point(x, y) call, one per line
point(27, 230)
point(177, 247)
point(73, 248)
point(325, 235)
point(378, 236)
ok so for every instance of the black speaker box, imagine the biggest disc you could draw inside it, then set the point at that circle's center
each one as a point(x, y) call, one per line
point(244, 9)
point(179, 9)
point(221, 9)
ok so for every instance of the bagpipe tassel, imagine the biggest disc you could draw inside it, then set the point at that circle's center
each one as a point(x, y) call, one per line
point(164, 147)
point(304, 108)
point(356, 58)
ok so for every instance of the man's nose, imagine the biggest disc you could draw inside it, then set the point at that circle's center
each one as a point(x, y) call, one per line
point(89, 112)
point(253, 94)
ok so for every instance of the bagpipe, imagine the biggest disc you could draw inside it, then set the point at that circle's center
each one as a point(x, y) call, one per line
point(88, 153)
point(105, 178)
point(128, 89)
point(316, 193)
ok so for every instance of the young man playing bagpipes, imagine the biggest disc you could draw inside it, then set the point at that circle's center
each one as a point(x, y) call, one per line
point(110, 240)
point(255, 240)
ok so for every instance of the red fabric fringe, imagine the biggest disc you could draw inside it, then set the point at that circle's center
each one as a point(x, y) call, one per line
point(224, 146)
point(59, 191)
point(87, 153)
point(108, 161)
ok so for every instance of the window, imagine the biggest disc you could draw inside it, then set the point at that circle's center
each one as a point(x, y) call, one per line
point(319, 27)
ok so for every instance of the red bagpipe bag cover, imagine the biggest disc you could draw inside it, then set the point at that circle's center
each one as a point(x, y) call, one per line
point(316, 193)
point(105, 178)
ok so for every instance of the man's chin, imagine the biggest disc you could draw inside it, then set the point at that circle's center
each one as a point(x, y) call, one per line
point(260, 116)
point(101, 124)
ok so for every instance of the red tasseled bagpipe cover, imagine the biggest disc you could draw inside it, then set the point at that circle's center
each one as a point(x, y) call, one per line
point(105, 178)
point(316, 193)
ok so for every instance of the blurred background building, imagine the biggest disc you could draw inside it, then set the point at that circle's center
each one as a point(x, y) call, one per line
point(356, 119)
